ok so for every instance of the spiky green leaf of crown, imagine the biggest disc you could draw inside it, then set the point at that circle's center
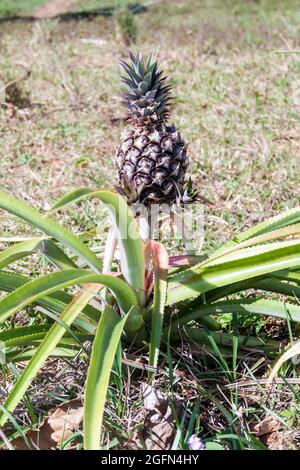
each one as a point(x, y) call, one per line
point(146, 96)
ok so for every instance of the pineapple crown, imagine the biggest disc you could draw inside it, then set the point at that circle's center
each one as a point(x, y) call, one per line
point(147, 96)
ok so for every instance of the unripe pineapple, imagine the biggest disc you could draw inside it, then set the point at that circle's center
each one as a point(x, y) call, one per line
point(151, 161)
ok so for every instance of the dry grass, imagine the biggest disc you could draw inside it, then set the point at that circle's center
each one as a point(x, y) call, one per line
point(236, 104)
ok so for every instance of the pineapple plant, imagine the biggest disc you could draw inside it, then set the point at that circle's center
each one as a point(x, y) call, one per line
point(151, 161)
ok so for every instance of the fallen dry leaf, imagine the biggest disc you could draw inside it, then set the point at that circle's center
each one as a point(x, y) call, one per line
point(153, 399)
point(159, 426)
point(56, 427)
point(64, 421)
point(267, 426)
point(274, 442)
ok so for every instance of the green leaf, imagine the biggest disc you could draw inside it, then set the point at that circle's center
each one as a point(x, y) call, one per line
point(287, 275)
point(56, 255)
point(285, 219)
point(200, 336)
point(20, 250)
point(17, 239)
point(27, 335)
point(127, 230)
point(211, 445)
point(246, 306)
point(49, 227)
point(293, 351)
point(56, 302)
point(260, 239)
point(238, 266)
point(60, 351)
point(70, 198)
point(47, 346)
point(28, 247)
point(274, 286)
point(104, 349)
point(260, 283)
point(43, 286)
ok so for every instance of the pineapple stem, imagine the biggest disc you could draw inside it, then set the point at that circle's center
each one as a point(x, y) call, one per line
point(149, 224)
point(144, 227)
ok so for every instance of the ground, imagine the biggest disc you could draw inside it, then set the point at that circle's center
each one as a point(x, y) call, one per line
point(235, 69)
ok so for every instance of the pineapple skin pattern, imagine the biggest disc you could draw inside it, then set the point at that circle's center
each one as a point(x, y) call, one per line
point(154, 161)
point(151, 161)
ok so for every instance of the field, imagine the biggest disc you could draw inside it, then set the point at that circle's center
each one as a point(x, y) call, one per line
point(235, 70)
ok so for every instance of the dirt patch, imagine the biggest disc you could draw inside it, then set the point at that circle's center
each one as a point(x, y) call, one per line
point(53, 8)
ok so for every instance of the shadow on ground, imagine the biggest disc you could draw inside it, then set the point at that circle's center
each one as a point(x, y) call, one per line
point(69, 16)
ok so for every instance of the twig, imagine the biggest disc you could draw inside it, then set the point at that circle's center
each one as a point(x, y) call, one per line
point(249, 383)
point(6, 441)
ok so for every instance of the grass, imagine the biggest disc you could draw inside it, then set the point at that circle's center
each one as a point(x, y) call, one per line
point(235, 73)
point(16, 7)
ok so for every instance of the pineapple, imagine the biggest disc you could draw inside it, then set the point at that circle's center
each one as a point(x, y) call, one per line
point(151, 161)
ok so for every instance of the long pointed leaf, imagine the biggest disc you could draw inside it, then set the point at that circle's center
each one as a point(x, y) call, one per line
point(49, 227)
point(59, 351)
point(127, 230)
point(289, 354)
point(236, 267)
point(50, 342)
point(56, 255)
point(19, 251)
point(104, 349)
point(267, 284)
point(260, 239)
point(30, 334)
point(285, 219)
point(262, 307)
point(199, 335)
point(55, 302)
point(38, 288)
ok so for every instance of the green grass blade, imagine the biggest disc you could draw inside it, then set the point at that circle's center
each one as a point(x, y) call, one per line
point(104, 349)
point(293, 351)
point(51, 228)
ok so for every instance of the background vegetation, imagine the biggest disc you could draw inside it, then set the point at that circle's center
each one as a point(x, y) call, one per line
point(235, 70)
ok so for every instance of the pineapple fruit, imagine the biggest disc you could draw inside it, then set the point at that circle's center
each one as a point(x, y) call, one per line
point(151, 160)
